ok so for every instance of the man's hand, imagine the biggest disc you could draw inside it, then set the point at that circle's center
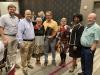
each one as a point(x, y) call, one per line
point(93, 49)
point(6, 40)
point(49, 37)
point(21, 45)
point(93, 46)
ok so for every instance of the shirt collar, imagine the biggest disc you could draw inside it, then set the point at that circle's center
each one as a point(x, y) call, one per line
point(89, 26)
point(11, 16)
point(92, 26)
point(29, 21)
point(50, 21)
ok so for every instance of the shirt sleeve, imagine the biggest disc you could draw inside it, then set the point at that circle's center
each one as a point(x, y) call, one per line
point(20, 32)
point(44, 25)
point(2, 23)
point(56, 27)
point(97, 34)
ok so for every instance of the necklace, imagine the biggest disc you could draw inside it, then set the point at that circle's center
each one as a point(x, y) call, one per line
point(75, 33)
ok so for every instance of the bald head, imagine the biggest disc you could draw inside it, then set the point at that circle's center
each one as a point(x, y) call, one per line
point(92, 15)
point(91, 18)
point(28, 11)
point(28, 14)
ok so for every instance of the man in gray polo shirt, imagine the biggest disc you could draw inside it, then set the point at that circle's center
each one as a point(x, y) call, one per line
point(89, 40)
point(8, 30)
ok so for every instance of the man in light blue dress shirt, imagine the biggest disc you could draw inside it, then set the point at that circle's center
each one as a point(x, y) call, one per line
point(89, 41)
point(25, 37)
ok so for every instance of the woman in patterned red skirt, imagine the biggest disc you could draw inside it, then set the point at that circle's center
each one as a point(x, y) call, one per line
point(63, 36)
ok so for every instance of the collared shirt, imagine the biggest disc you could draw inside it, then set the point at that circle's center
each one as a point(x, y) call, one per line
point(9, 23)
point(90, 35)
point(52, 24)
point(25, 30)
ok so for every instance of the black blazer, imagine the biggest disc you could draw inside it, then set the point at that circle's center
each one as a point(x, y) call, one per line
point(76, 32)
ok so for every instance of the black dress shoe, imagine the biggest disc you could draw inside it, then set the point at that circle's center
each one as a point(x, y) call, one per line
point(30, 66)
point(25, 72)
point(46, 63)
point(80, 73)
point(54, 63)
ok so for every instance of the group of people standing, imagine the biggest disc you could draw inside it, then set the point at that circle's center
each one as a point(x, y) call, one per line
point(36, 40)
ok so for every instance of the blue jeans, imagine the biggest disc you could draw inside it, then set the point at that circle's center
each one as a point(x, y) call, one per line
point(49, 44)
point(87, 61)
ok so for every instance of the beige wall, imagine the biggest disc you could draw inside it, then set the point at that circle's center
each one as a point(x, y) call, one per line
point(4, 5)
point(86, 8)
point(96, 0)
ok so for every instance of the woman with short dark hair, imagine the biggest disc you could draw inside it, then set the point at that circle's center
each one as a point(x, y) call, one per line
point(75, 46)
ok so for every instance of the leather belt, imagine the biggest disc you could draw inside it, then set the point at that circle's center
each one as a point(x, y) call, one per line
point(86, 47)
point(28, 39)
point(10, 34)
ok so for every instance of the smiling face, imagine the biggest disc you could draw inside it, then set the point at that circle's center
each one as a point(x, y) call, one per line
point(28, 14)
point(38, 21)
point(63, 21)
point(11, 9)
point(76, 20)
point(91, 18)
point(48, 15)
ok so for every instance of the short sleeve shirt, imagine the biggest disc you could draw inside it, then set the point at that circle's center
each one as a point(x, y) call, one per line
point(52, 24)
point(9, 24)
point(90, 35)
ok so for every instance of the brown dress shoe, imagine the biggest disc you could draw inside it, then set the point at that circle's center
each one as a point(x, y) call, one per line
point(38, 62)
point(80, 73)
point(62, 64)
point(73, 68)
point(54, 62)
point(30, 66)
point(17, 66)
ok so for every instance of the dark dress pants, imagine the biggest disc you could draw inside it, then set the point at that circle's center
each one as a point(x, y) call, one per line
point(87, 60)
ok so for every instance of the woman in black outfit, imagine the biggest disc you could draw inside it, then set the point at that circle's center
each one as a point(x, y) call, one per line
point(75, 46)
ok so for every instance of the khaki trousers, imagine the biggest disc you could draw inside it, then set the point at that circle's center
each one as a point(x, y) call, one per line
point(0, 73)
point(26, 53)
point(12, 50)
